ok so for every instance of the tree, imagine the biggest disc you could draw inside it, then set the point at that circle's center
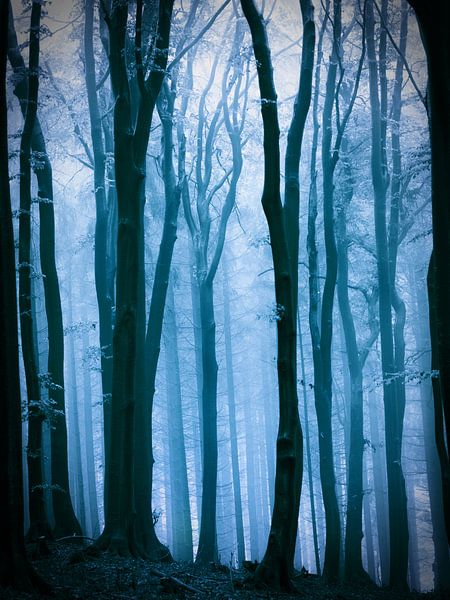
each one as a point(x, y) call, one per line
point(436, 43)
point(276, 566)
point(130, 146)
point(356, 358)
point(206, 268)
point(393, 403)
point(322, 333)
point(39, 525)
point(15, 570)
point(103, 209)
point(65, 520)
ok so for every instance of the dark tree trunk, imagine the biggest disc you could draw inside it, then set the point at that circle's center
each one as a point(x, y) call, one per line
point(292, 211)
point(15, 570)
point(38, 520)
point(353, 567)
point(65, 520)
point(275, 568)
point(207, 550)
point(394, 408)
point(441, 565)
point(124, 519)
point(323, 396)
point(205, 274)
point(433, 28)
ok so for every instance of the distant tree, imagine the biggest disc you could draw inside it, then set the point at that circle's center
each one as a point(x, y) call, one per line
point(321, 326)
point(207, 260)
point(103, 209)
point(433, 26)
point(15, 569)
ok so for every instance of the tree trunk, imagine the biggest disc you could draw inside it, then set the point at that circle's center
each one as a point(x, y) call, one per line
point(393, 405)
point(275, 568)
point(433, 28)
point(65, 520)
point(232, 419)
point(179, 489)
point(207, 550)
point(308, 449)
point(120, 534)
point(353, 568)
point(105, 299)
point(441, 565)
point(38, 519)
point(15, 570)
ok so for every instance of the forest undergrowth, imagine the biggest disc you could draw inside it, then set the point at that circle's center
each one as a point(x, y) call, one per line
point(75, 574)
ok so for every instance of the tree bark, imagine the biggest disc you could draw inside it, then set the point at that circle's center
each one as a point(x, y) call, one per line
point(275, 568)
point(65, 520)
point(393, 404)
point(433, 29)
point(120, 535)
point(15, 570)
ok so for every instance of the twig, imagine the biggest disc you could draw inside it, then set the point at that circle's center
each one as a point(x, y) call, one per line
point(175, 581)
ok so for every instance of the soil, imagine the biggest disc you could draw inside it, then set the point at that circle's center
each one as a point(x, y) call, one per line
point(76, 575)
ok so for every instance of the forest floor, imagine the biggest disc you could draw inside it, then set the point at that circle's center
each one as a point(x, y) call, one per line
point(74, 575)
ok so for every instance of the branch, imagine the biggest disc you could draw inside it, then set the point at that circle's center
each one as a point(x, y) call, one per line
point(402, 56)
point(138, 50)
point(198, 37)
point(348, 112)
point(76, 127)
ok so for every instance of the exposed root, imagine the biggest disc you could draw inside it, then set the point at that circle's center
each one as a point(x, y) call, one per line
point(117, 544)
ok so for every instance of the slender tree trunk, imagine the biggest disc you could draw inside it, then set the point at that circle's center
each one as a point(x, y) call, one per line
point(207, 542)
point(74, 437)
point(232, 418)
point(105, 299)
point(368, 527)
point(180, 508)
point(89, 441)
point(379, 483)
point(275, 568)
point(308, 449)
point(323, 397)
point(394, 408)
point(38, 520)
point(353, 528)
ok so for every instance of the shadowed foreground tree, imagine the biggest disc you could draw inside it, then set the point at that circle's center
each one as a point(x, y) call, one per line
point(276, 566)
point(433, 24)
point(15, 570)
point(131, 136)
point(65, 520)
point(39, 525)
